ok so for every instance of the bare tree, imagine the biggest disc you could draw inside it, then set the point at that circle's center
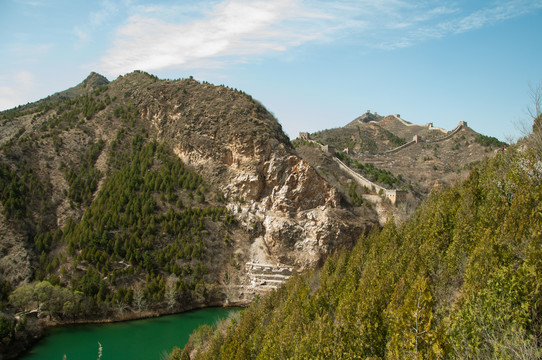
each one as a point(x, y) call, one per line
point(535, 93)
point(534, 111)
point(121, 307)
point(139, 298)
point(171, 292)
point(230, 283)
point(418, 326)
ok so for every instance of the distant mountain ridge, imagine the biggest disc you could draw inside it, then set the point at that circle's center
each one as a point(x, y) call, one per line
point(384, 159)
point(372, 127)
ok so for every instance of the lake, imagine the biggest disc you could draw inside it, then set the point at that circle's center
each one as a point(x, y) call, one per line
point(146, 339)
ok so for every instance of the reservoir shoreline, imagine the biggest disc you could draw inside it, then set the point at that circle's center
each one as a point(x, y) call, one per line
point(43, 325)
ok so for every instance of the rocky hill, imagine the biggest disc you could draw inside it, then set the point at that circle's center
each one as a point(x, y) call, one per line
point(159, 184)
point(393, 154)
point(143, 196)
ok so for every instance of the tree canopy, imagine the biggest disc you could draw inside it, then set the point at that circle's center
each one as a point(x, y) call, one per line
point(462, 279)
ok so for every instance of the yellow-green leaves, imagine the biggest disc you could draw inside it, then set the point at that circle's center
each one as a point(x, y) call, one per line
point(462, 279)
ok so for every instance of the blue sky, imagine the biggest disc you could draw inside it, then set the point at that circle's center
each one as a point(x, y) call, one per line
point(314, 64)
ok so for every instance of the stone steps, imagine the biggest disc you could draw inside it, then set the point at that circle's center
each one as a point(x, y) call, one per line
point(269, 277)
point(265, 277)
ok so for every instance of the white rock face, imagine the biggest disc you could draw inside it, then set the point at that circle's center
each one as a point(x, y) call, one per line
point(293, 215)
point(296, 212)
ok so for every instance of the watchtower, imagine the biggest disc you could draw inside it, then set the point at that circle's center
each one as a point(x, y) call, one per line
point(304, 136)
point(328, 149)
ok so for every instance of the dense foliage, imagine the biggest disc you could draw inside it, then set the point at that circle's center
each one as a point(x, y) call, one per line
point(18, 193)
point(83, 179)
point(142, 242)
point(138, 226)
point(462, 279)
point(489, 141)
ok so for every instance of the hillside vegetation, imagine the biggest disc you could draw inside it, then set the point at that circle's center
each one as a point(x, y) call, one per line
point(99, 218)
point(462, 279)
point(141, 197)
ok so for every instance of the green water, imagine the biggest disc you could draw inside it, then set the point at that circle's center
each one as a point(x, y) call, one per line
point(146, 339)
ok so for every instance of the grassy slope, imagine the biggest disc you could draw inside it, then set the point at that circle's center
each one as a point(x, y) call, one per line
point(462, 279)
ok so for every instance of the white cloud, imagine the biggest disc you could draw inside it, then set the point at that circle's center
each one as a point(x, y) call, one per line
point(392, 24)
point(233, 30)
point(20, 83)
point(488, 16)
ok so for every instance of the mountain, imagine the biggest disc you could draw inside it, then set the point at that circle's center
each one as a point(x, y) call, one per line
point(143, 196)
point(460, 280)
point(395, 154)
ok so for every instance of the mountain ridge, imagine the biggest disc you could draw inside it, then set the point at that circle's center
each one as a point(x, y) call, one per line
point(420, 155)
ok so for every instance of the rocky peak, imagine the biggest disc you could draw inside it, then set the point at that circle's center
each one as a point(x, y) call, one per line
point(94, 80)
point(367, 117)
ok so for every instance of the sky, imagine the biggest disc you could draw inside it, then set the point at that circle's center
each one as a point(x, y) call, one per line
point(314, 64)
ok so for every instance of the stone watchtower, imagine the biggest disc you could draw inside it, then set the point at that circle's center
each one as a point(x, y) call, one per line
point(396, 196)
point(328, 149)
point(304, 136)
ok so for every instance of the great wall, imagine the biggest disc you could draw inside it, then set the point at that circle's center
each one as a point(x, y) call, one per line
point(417, 139)
point(394, 195)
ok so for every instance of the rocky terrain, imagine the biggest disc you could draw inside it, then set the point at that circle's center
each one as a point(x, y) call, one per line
point(291, 212)
point(420, 157)
point(286, 212)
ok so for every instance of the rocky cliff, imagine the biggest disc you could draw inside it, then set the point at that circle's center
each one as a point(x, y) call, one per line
point(293, 216)
point(292, 212)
